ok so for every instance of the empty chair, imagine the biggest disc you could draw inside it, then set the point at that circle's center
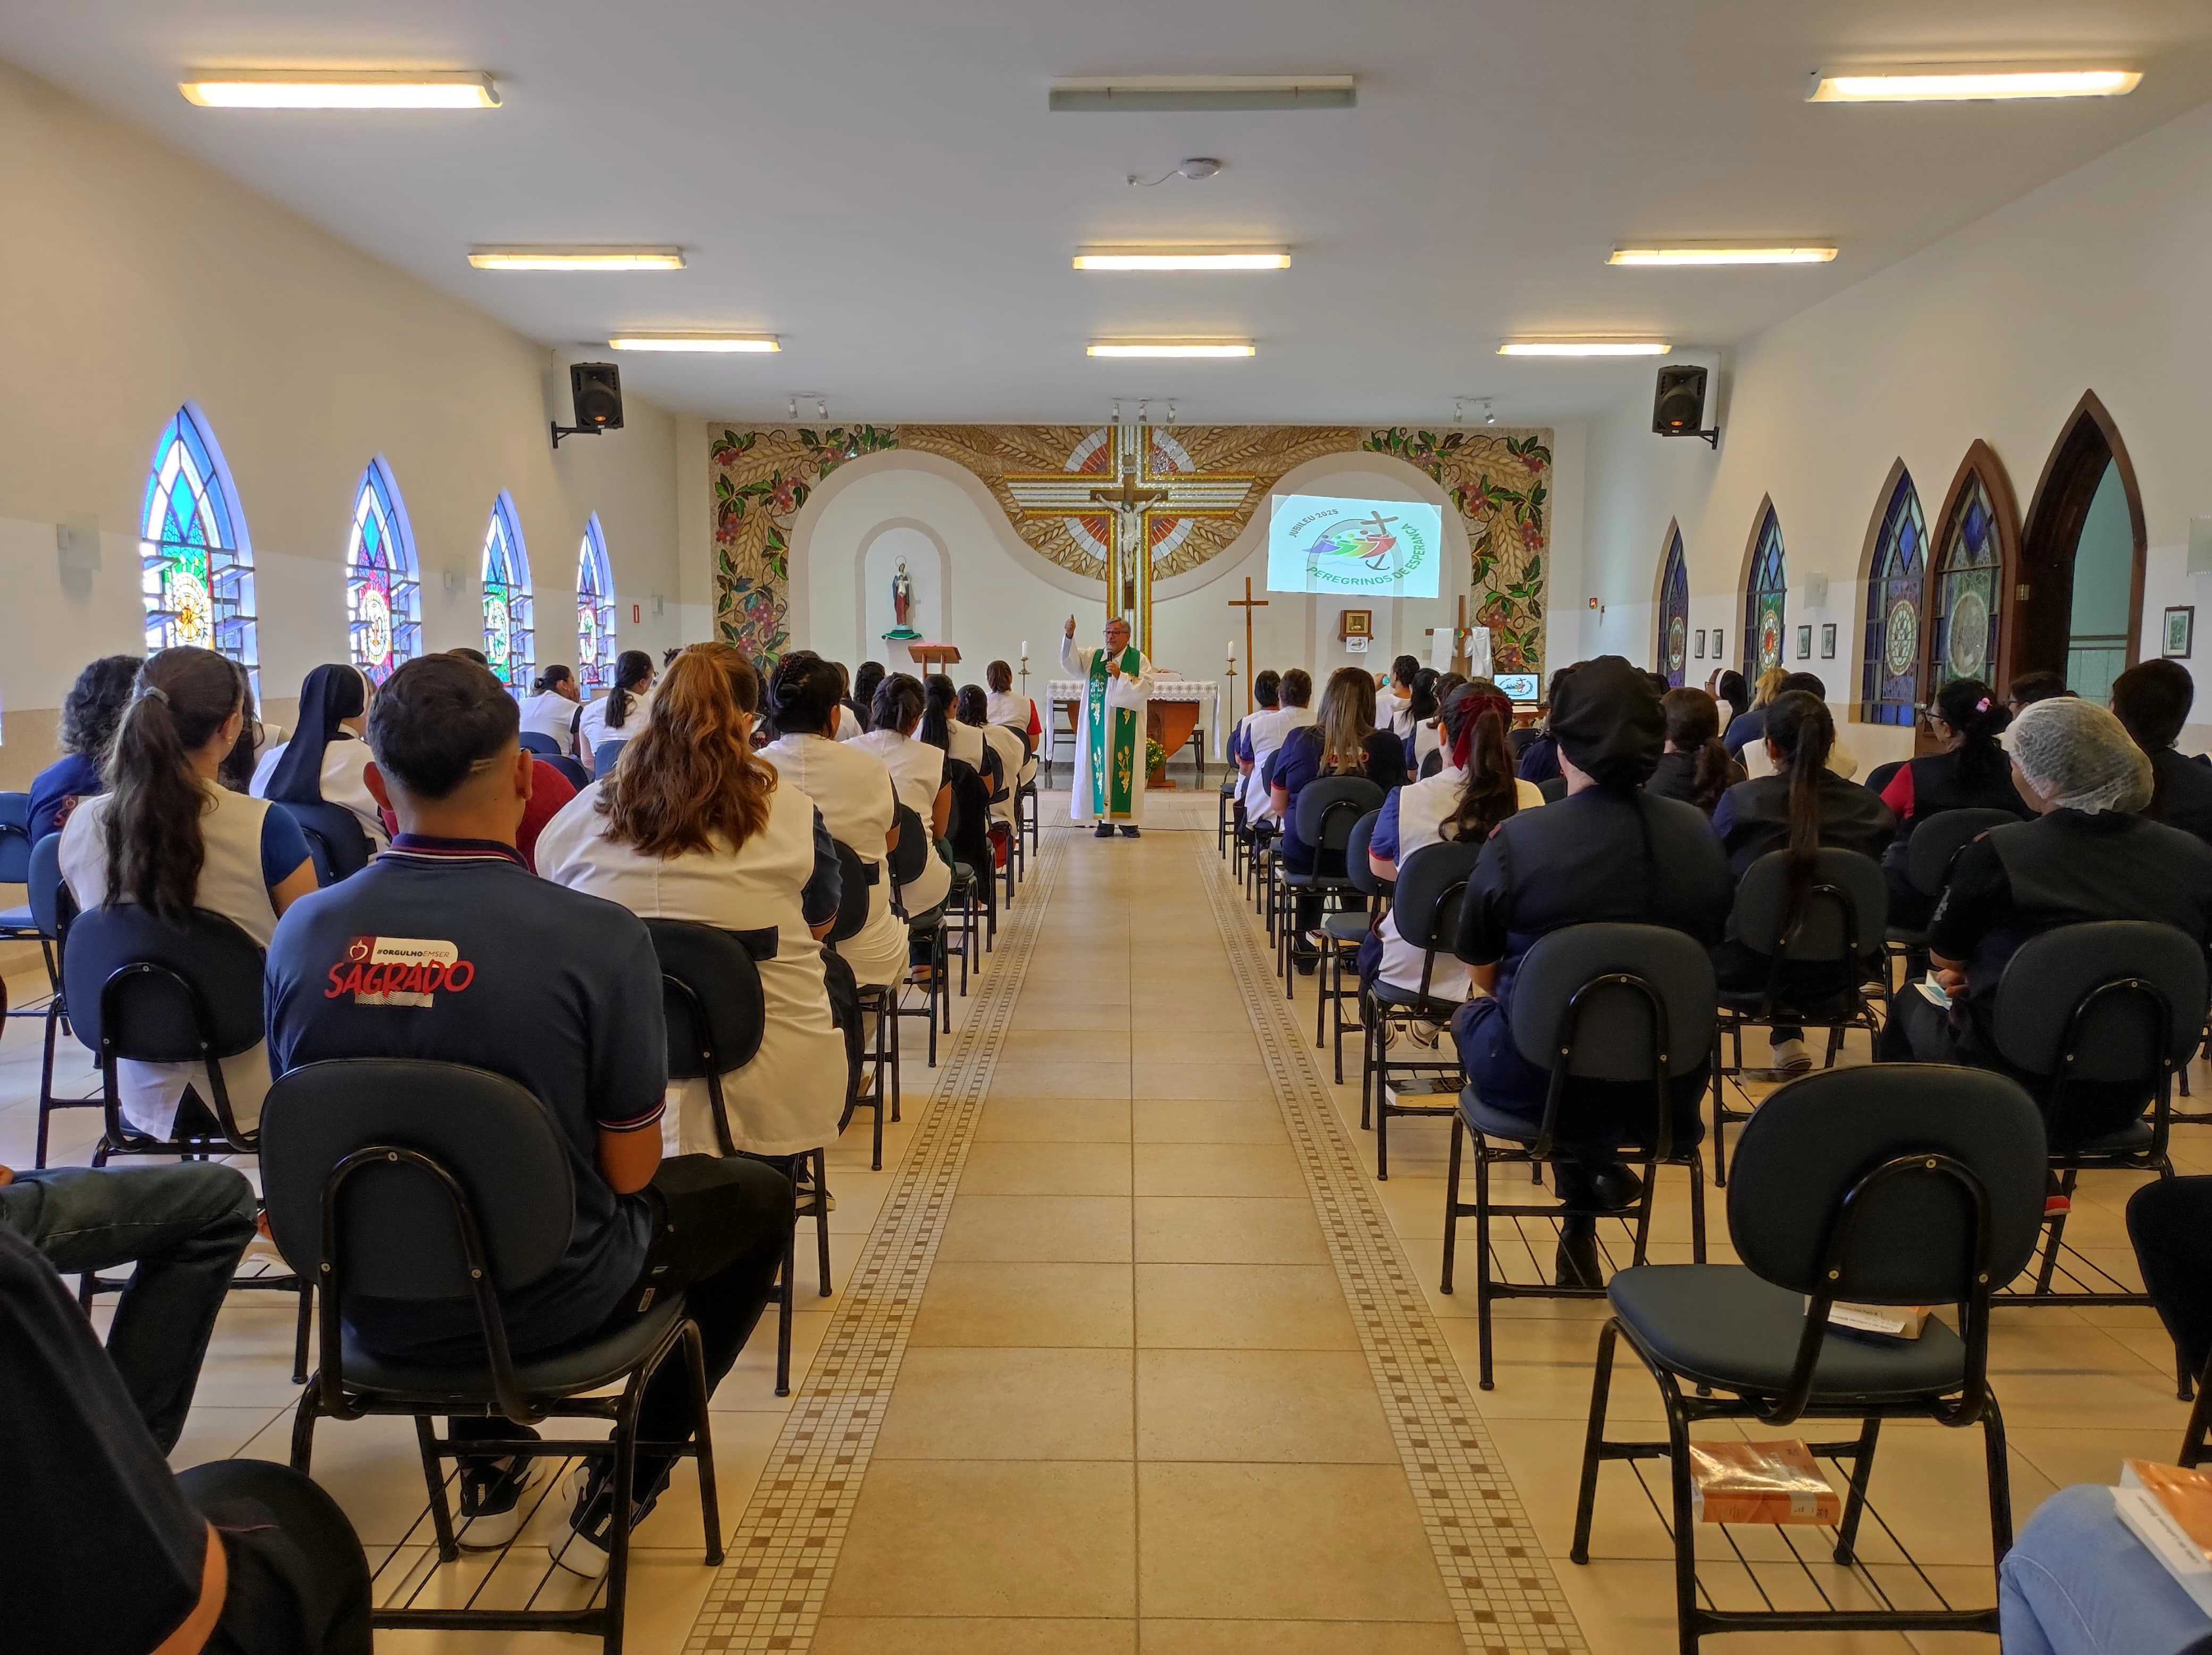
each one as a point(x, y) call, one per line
point(1345, 932)
point(1328, 808)
point(1424, 912)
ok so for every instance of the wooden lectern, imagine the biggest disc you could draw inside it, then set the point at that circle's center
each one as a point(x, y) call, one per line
point(935, 657)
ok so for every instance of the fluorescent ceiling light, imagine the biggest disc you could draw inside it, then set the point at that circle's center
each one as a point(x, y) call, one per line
point(1172, 347)
point(577, 258)
point(1714, 254)
point(1173, 259)
point(1584, 348)
point(1967, 83)
point(340, 88)
point(723, 342)
point(1146, 94)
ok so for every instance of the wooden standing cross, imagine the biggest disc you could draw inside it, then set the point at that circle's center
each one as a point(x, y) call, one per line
point(1247, 603)
point(1461, 633)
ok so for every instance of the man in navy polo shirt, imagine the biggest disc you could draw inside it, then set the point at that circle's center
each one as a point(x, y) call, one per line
point(447, 948)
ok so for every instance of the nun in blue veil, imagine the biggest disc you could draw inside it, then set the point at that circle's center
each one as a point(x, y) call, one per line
point(324, 761)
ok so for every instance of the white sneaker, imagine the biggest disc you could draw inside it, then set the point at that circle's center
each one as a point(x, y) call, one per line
point(1423, 1035)
point(491, 1504)
point(1790, 1056)
point(587, 1520)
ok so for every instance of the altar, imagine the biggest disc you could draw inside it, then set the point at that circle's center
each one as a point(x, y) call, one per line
point(1170, 716)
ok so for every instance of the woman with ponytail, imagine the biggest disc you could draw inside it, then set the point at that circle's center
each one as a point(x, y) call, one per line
point(866, 683)
point(694, 826)
point(327, 759)
point(941, 726)
point(1968, 772)
point(553, 708)
point(167, 836)
point(621, 713)
point(1695, 767)
point(1802, 807)
point(974, 711)
point(917, 772)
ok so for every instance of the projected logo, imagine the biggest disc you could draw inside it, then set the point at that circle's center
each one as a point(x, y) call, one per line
point(1353, 546)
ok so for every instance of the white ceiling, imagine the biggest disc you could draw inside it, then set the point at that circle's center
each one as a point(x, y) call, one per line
point(879, 182)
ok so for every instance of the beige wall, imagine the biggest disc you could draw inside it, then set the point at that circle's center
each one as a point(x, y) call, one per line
point(137, 279)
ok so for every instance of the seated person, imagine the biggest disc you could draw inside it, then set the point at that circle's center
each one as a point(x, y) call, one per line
point(184, 1226)
point(917, 772)
point(325, 759)
point(562, 997)
point(106, 1550)
point(626, 708)
point(941, 725)
point(1427, 701)
point(554, 707)
point(2152, 701)
point(1841, 759)
point(171, 837)
point(862, 699)
point(694, 826)
point(1696, 768)
point(1264, 731)
point(1470, 794)
point(2088, 854)
point(550, 790)
point(2031, 687)
point(1344, 742)
point(2078, 1582)
point(1802, 804)
point(975, 714)
point(1005, 706)
point(90, 712)
point(1969, 772)
point(1395, 710)
point(1606, 852)
point(1747, 725)
point(1540, 758)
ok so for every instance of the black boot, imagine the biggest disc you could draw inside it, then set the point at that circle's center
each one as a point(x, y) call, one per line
point(1104, 830)
point(1128, 831)
point(1575, 1264)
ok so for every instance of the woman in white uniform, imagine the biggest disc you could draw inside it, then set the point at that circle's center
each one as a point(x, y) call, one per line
point(326, 760)
point(975, 714)
point(941, 726)
point(551, 708)
point(623, 712)
point(693, 826)
point(1005, 706)
point(853, 790)
point(917, 771)
point(167, 834)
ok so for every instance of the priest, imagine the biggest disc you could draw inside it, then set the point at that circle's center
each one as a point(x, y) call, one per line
point(1111, 737)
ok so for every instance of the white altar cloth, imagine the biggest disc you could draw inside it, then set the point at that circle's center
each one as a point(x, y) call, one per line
point(1204, 690)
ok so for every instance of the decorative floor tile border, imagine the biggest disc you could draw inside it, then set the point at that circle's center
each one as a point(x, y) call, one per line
point(1501, 1584)
point(768, 1594)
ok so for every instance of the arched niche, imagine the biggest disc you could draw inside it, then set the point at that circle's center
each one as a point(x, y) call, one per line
point(2086, 502)
point(929, 572)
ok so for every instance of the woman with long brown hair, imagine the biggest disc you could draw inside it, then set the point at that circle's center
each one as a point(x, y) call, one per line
point(1343, 741)
point(168, 835)
point(1695, 767)
point(693, 825)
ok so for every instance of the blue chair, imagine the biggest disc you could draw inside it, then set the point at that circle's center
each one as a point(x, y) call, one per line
point(532, 741)
point(569, 767)
point(16, 923)
point(337, 844)
point(605, 758)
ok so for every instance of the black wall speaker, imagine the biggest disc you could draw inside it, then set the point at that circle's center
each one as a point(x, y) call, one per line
point(596, 389)
point(1678, 406)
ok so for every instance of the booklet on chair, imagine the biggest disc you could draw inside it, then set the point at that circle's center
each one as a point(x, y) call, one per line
point(1759, 1482)
point(2170, 1510)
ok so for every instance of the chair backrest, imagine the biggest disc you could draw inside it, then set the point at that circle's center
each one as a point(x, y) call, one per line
point(607, 756)
point(1028, 747)
point(2107, 1001)
point(1553, 788)
point(1431, 882)
point(1329, 805)
point(914, 848)
point(1879, 776)
point(15, 838)
point(1843, 916)
point(334, 840)
point(2163, 1216)
point(994, 772)
point(1590, 993)
point(1936, 840)
point(163, 994)
point(578, 777)
point(710, 994)
point(1356, 867)
point(1912, 1237)
point(854, 878)
point(536, 741)
point(392, 1222)
point(52, 906)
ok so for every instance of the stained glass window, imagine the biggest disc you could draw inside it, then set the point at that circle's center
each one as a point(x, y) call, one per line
point(1897, 587)
point(509, 641)
point(195, 560)
point(1967, 589)
point(384, 598)
point(595, 612)
point(1674, 614)
point(1763, 601)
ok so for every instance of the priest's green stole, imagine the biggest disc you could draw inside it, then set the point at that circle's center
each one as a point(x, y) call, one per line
point(1113, 746)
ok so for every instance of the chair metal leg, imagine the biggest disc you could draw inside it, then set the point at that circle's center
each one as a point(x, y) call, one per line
point(1600, 1383)
point(1847, 1532)
point(1720, 1110)
point(441, 1517)
point(783, 1298)
point(1697, 1208)
point(299, 1334)
point(1483, 1380)
point(1685, 1521)
point(822, 1214)
point(303, 1429)
point(1451, 1203)
point(703, 1441)
point(1993, 1453)
point(622, 1485)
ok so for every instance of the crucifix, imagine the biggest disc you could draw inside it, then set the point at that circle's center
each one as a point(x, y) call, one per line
point(1247, 603)
point(1459, 634)
point(1132, 533)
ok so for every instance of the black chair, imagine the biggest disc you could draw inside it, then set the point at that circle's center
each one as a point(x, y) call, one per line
point(1881, 776)
point(52, 909)
point(1553, 788)
point(1901, 1184)
point(1834, 936)
point(1227, 814)
point(1326, 811)
point(710, 997)
point(1346, 931)
point(972, 904)
point(1026, 804)
point(335, 841)
point(1425, 912)
point(2169, 1223)
point(535, 741)
point(431, 1182)
point(575, 774)
point(16, 924)
point(607, 756)
point(880, 1000)
point(2115, 1004)
point(907, 862)
point(1934, 844)
point(1624, 1005)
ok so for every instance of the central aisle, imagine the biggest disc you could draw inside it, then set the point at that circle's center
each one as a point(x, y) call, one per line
point(1098, 1383)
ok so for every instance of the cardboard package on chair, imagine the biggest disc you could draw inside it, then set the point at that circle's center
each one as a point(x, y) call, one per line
point(1760, 1482)
point(2170, 1510)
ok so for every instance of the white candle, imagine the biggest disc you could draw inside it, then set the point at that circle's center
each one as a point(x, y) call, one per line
point(1025, 649)
point(1232, 649)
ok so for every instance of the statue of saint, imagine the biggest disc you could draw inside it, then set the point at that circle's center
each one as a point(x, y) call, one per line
point(902, 604)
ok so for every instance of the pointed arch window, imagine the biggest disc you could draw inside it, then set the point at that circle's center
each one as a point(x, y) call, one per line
point(195, 558)
point(1897, 587)
point(509, 640)
point(384, 593)
point(1968, 598)
point(1675, 613)
point(595, 611)
point(1764, 600)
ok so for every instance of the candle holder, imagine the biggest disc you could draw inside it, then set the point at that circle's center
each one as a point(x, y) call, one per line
point(1025, 676)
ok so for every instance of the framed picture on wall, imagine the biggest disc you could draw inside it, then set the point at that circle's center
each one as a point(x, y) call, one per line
point(1827, 641)
point(2180, 631)
point(1720, 645)
point(1804, 643)
point(1701, 636)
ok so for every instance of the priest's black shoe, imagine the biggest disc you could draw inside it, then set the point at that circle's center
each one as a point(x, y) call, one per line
point(1575, 1264)
point(1105, 830)
point(1129, 833)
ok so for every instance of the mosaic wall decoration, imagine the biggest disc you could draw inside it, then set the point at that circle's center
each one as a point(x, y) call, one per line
point(1192, 489)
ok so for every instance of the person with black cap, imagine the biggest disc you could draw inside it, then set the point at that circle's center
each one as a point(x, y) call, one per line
point(1607, 853)
point(325, 759)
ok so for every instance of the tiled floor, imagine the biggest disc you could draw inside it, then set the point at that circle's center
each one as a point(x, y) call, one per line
point(1136, 1402)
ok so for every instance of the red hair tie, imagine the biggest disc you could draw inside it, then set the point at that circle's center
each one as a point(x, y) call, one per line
point(1463, 744)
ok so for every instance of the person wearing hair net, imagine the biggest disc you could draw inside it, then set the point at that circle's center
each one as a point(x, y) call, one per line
point(2088, 854)
point(1607, 852)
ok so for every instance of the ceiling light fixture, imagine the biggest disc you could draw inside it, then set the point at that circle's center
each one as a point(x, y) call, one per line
point(1584, 348)
point(1700, 254)
point(1189, 93)
point(340, 88)
point(1182, 258)
point(577, 258)
point(1967, 83)
point(724, 343)
point(1172, 347)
